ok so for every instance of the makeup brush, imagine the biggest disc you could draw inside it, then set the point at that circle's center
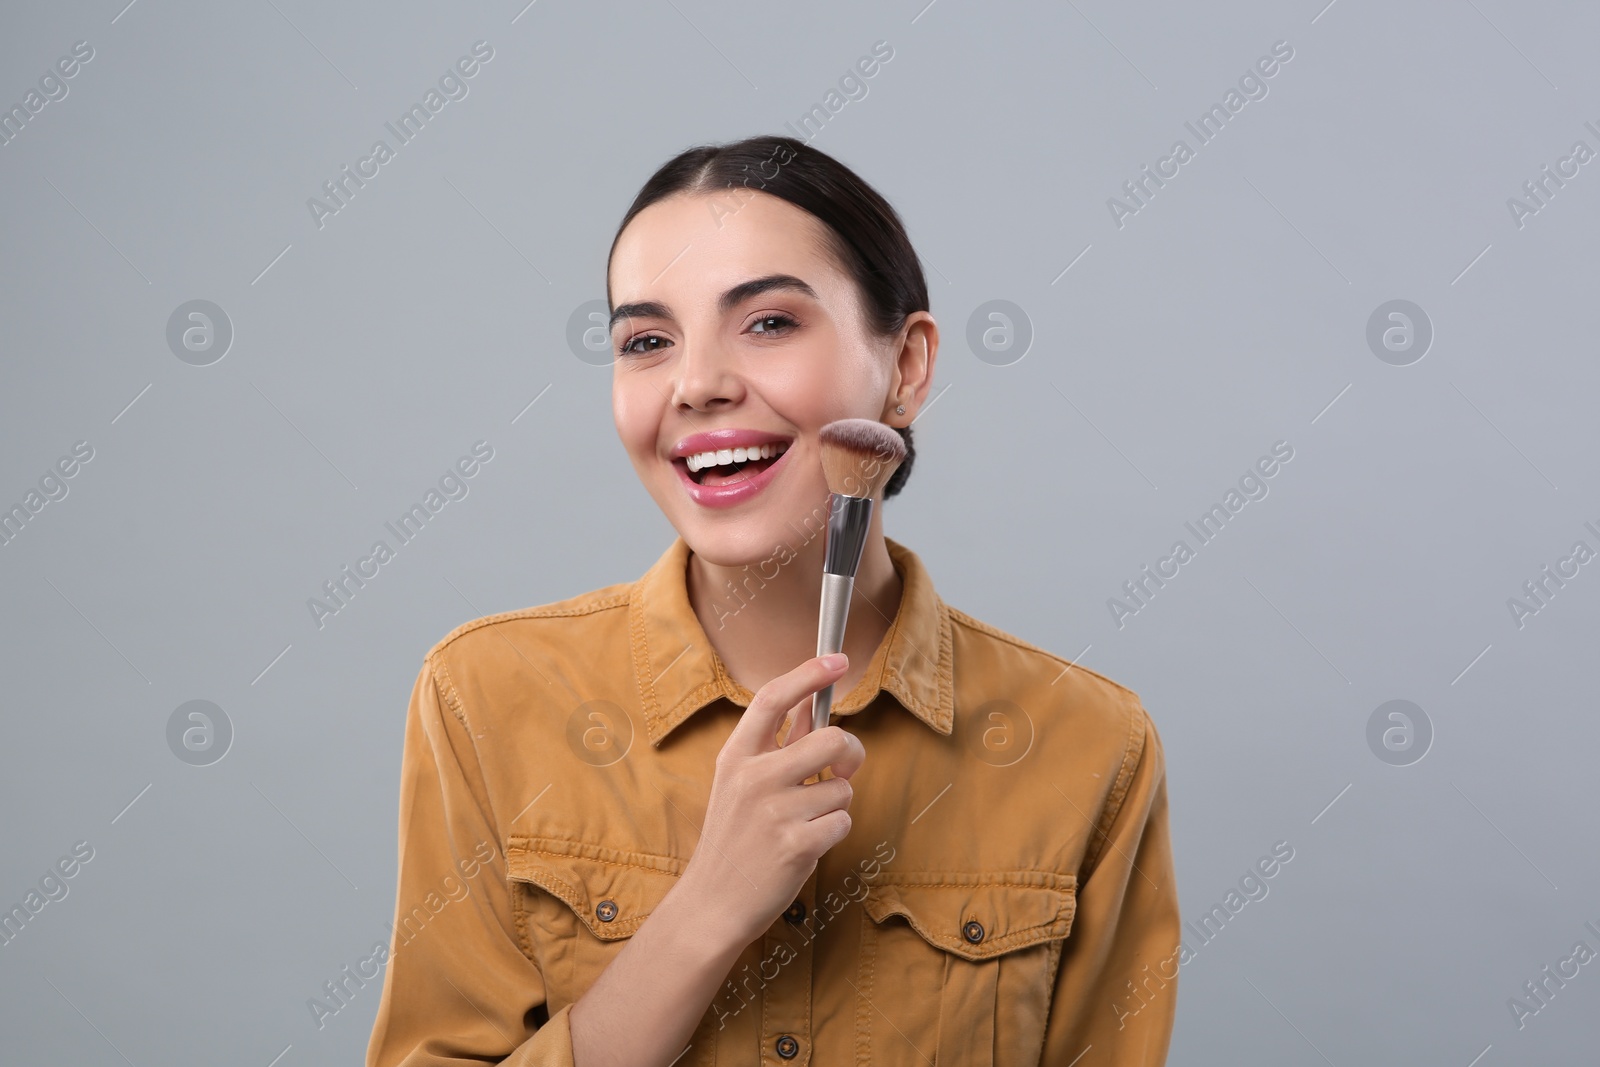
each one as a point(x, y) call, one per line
point(858, 458)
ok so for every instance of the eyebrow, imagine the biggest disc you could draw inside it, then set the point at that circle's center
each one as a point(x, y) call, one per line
point(772, 283)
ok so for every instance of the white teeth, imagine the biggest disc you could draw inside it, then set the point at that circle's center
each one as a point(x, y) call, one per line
point(723, 456)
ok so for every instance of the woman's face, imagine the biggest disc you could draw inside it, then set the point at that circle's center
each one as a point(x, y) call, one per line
point(739, 329)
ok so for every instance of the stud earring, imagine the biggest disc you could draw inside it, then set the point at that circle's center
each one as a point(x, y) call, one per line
point(900, 409)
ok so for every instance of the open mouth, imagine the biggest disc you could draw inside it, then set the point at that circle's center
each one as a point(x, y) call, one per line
point(730, 465)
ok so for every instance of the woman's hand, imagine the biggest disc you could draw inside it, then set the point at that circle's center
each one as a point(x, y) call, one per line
point(765, 829)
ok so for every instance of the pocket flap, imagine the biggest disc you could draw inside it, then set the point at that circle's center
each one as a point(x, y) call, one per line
point(611, 890)
point(977, 915)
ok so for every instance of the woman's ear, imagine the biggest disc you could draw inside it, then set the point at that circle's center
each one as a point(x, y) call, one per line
point(913, 369)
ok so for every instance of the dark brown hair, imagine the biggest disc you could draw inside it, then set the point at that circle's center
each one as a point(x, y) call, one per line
point(864, 232)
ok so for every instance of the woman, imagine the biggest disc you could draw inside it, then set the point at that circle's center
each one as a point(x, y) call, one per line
point(616, 846)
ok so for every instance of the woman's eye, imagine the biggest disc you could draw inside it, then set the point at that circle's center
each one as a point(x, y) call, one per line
point(773, 324)
point(628, 348)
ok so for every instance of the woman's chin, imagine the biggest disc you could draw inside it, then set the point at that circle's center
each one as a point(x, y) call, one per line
point(735, 545)
point(766, 538)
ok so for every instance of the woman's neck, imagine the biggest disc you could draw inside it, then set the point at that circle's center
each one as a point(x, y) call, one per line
point(766, 624)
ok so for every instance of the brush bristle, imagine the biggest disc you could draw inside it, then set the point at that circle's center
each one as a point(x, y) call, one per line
point(859, 456)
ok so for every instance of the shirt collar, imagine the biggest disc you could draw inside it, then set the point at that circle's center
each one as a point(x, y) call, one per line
point(679, 673)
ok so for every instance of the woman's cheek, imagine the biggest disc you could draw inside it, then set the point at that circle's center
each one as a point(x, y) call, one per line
point(635, 426)
point(807, 391)
point(851, 381)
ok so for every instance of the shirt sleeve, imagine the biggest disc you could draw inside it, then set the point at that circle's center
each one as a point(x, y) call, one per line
point(458, 989)
point(1116, 990)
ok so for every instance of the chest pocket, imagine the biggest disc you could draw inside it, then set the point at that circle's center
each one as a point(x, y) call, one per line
point(957, 968)
point(578, 902)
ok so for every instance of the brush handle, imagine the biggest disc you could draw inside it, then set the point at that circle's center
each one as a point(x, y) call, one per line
point(836, 590)
point(848, 520)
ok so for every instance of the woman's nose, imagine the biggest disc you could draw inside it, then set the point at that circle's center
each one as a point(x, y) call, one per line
point(704, 377)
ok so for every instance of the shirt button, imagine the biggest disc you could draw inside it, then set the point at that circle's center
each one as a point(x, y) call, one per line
point(787, 1047)
point(973, 931)
point(796, 912)
point(606, 910)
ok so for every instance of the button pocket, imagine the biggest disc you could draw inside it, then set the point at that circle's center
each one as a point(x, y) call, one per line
point(577, 902)
point(957, 968)
point(611, 890)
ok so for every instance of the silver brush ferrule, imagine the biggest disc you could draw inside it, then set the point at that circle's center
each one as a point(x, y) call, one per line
point(848, 520)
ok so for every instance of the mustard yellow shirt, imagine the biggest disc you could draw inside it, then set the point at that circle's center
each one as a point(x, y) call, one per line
point(1005, 895)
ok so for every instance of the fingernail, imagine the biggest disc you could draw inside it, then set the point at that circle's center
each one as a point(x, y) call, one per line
point(834, 660)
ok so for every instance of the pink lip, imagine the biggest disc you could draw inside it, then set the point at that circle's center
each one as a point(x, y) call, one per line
point(716, 440)
point(726, 496)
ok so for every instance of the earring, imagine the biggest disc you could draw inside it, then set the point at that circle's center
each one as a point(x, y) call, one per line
point(900, 410)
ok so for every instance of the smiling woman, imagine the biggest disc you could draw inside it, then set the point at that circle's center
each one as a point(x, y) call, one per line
point(685, 855)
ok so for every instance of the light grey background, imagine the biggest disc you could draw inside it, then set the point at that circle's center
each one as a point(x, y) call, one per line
point(1229, 313)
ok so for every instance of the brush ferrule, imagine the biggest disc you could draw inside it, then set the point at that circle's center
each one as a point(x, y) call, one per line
point(848, 519)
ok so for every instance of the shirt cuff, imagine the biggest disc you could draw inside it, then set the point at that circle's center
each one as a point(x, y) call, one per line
point(550, 1046)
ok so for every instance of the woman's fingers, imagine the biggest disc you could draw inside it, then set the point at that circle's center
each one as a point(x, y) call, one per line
point(820, 798)
point(763, 819)
point(832, 746)
point(757, 729)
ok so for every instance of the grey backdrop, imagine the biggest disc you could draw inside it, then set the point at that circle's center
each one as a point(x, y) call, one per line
point(1148, 357)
